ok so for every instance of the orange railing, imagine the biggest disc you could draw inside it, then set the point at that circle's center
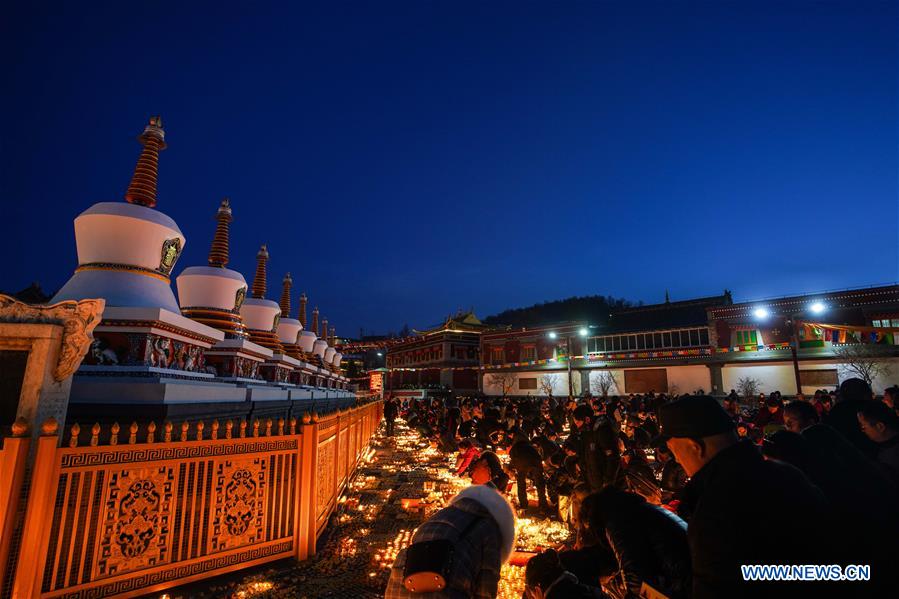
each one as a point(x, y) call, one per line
point(118, 516)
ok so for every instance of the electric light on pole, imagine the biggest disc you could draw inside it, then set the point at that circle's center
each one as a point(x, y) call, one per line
point(762, 313)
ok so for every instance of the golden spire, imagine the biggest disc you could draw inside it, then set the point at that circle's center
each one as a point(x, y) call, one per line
point(315, 320)
point(259, 283)
point(142, 189)
point(303, 300)
point(324, 334)
point(333, 336)
point(218, 253)
point(285, 296)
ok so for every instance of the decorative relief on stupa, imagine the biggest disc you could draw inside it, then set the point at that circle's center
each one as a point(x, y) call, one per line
point(171, 249)
point(239, 298)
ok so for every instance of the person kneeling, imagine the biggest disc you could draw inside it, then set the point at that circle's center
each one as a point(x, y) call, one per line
point(547, 579)
point(459, 551)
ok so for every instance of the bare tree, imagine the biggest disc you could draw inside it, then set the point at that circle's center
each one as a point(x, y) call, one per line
point(748, 386)
point(863, 360)
point(604, 383)
point(548, 383)
point(503, 380)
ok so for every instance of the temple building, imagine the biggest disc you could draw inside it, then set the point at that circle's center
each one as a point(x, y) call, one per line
point(212, 351)
point(791, 344)
point(444, 356)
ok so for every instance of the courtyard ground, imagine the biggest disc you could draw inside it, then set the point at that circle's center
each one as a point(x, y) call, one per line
point(400, 483)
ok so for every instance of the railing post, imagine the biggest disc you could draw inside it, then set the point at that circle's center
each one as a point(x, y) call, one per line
point(304, 537)
point(13, 459)
point(38, 515)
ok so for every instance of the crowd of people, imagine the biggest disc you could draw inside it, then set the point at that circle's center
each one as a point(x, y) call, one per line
point(666, 496)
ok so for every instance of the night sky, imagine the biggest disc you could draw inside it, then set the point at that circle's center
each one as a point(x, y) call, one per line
point(403, 160)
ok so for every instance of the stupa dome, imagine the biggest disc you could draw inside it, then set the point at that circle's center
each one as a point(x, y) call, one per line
point(319, 347)
point(306, 341)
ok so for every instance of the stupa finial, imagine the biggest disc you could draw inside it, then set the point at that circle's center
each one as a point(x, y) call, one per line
point(324, 334)
point(315, 320)
point(285, 296)
point(302, 315)
point(218, 253)
point(259, 282)
point(142, 189)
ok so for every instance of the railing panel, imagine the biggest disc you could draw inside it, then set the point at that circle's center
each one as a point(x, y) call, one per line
point(121, 510)
point(131, 519)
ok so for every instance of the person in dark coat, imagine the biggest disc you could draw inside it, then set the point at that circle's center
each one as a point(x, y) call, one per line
point(598, 457)
point(880, 424)
point(844, 414)
point(734, 504)
point(799, 415)
point(487, 469)
point(546, 578)
point(527, 463)
point(390, 411)
point(862, 497)
point(673, 477)
point(481, 525)
point(649, 543)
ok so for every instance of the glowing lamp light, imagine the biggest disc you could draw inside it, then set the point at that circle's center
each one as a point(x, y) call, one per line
point(552, 335)
point(380, 354)
point(583, 332)
point(817, 308)
point(760, 313)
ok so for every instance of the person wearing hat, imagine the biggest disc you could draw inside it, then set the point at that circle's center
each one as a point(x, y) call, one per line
point(735, 505)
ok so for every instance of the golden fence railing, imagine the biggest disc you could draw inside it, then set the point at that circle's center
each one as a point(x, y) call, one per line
point(131, 512)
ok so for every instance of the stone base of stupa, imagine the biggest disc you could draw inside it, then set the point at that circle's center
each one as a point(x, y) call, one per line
point(238, 360)
point(278, 368)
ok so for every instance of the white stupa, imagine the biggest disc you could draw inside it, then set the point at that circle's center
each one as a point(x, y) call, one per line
point(126, 251)
point(214, 294)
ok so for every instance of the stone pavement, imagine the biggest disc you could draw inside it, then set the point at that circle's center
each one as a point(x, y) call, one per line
point(398, 488)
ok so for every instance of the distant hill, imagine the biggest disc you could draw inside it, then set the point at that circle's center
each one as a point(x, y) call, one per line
point(593, 309)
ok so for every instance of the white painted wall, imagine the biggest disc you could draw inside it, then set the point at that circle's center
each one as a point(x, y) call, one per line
point(779, 376)
point(560, 388)
point(772, 376)
point(687, 379)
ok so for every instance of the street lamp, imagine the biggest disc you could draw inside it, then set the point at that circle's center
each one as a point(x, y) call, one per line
point(552, 335)
point(814, 308)
point(583, 332)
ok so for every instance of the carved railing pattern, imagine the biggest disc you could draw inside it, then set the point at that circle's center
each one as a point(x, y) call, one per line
point(185, 501)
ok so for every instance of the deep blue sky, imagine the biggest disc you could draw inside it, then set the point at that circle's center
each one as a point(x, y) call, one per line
point(405, 159)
